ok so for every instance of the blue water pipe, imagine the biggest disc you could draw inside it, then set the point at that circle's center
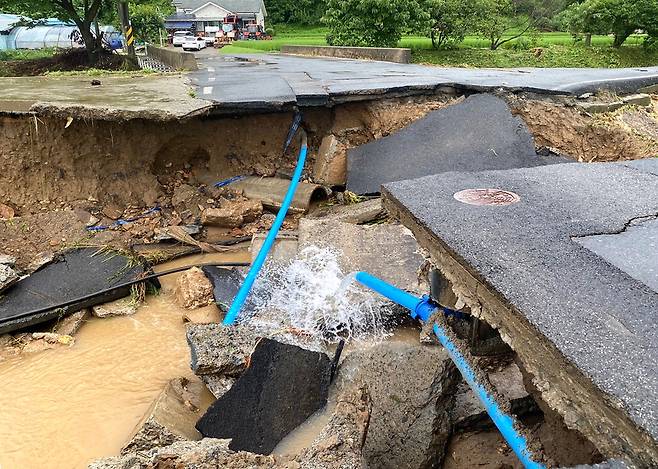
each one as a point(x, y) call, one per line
point(423, 308)
point(245, 288)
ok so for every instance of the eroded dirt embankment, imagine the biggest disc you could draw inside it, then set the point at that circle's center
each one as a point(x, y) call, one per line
point(50, 161)
point(134, 162)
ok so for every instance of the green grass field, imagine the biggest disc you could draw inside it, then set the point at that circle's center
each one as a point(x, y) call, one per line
point(559, 50)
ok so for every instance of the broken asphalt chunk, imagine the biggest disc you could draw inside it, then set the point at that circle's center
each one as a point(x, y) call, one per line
point(77, 274)
point(478, 134)
point(281, 388)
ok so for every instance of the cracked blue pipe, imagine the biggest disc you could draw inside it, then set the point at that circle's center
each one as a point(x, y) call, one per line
point(422, 308)
point(249, 280)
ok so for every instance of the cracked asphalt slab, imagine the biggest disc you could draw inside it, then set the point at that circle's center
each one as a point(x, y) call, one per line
point(599, 317)
point(477, 134)
point(275, 80)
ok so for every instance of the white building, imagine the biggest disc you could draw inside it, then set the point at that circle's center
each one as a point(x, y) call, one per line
point(208, 16)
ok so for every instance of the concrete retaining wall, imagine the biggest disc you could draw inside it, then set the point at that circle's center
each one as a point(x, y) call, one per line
point(401, 56)
point(178, 60)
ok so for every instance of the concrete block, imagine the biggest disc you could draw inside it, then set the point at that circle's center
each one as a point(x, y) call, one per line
point(384, 54)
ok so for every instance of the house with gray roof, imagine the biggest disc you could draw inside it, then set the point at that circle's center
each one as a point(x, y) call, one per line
point(209, 15)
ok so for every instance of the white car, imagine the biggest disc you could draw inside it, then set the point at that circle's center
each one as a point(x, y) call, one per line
point(179, 37)
point(194, 43)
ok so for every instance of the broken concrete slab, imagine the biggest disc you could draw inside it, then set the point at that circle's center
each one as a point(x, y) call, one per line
point(193, 289)
point(120, 307)
point(283, 386)
point(362, 247)
point(358, 213)
point(411, 388)
point(7, 260)
point(207, 453)
point(232, 213)
point(283, 250)
point(219, 350)
point(77, 274)
point(218, 385)
point(340, 443)
point(8, 277)
point(330, 166)
point(170, 418)
point(468, 412)
point(582, 327)
point(70, 324)
point(477, 134)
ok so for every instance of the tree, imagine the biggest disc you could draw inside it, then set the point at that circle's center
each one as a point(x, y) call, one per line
point(618, 17)
point(499, 19)
point(452, 20)
point(81, 12)
point(373, 23)
point(295, 11)
point(147, 18)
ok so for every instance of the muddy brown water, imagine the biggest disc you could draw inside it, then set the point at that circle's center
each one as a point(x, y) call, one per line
point(65, 407)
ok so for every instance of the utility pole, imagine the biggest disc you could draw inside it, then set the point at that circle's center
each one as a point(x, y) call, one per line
point(127, 29)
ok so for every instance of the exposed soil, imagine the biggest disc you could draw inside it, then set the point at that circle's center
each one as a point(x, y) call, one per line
point(136, 162)
point(628, 134)
point(66, 61)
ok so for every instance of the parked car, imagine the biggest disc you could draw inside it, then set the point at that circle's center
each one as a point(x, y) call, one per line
point(179, 37)
point(210, 40)
point(194, 43)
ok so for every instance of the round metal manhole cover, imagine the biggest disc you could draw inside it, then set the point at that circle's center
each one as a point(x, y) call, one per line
point(487, 197)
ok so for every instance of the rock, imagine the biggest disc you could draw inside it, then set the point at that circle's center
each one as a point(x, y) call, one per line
point(6, 212)
point(219, 350)
point(595, 108)
point(208, 453)
point(361, 212)
point(170, 418)
point(468, 413)
point(85, 217)
point(388, 250)
point(258, 411)
point(331, 163)
point(40, 341)
point(70, 324)
point(637, 100)
point(193, 289)
point(411, 388)
point(7, 260)
point(218, 385)
point(340, 443)
point(112, 211)
point(186, 201)
point(232, 213)
point(283, 250)
point(7, 277)
point(42, 259)
point(121, 307)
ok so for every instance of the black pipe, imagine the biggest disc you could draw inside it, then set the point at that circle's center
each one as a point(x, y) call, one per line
point(120, 286)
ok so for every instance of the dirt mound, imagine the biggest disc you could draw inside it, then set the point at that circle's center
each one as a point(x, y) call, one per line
point(66, 61)
point(621, 135)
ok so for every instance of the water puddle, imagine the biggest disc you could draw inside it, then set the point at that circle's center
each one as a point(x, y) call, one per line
point(65, 407)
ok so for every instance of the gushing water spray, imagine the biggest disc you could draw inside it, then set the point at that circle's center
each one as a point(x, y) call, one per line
point(312, 294)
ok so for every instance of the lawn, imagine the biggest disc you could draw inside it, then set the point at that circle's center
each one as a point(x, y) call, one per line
point(558, 50)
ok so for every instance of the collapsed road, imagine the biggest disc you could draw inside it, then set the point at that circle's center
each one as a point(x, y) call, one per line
point(539, 258)
point(583, 324)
